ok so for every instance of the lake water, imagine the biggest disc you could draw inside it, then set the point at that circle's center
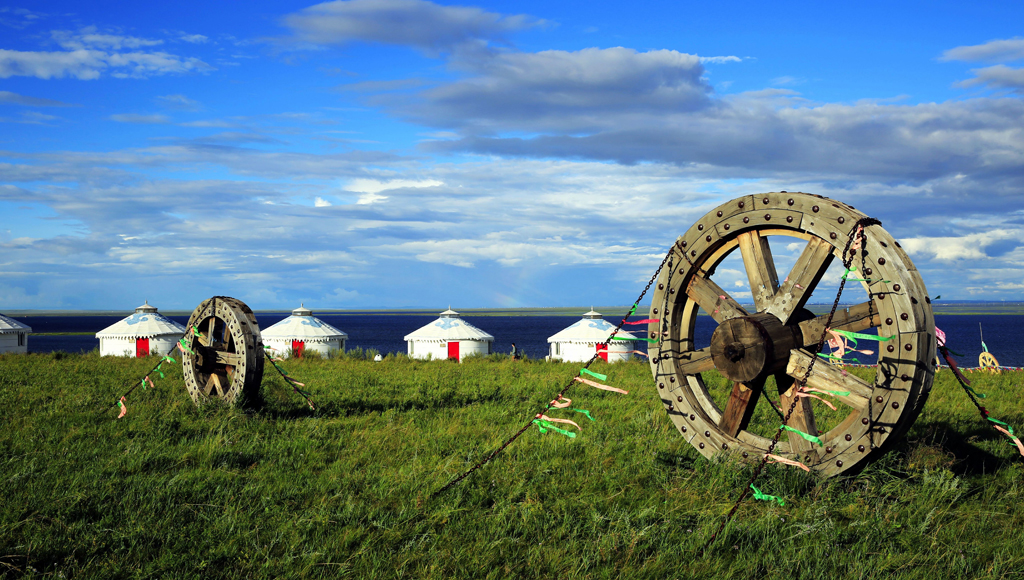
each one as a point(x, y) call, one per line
point(530, 333)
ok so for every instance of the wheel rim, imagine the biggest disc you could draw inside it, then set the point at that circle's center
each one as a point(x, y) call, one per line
point(773, 342)
point(226, 361)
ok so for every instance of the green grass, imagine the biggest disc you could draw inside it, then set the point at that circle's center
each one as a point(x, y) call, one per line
point(176, 491)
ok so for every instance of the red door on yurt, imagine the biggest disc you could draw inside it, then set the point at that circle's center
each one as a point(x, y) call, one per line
point(297, 347)
point(602, 351)
point(453, 350)
point(141, 347)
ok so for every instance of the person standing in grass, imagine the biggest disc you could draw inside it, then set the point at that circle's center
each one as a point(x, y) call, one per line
point(515, 352)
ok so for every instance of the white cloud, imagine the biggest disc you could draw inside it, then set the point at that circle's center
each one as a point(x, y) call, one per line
point(1005, 50)
point(952, 249)
point(9, 98)
point(179, 102)
point(194, 38)
point(559, 91)
point(425, 25)
point(89, 54)
point(89, 37)
point(321, 202)
point(140, 119)
point(719, 59)
point(377, 186)
point(997, 77)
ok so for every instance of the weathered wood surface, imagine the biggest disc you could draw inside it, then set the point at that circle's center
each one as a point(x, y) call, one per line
point(897, 306)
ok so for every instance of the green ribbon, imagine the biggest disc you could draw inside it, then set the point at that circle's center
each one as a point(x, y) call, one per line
point(593, 374)
point(766, 497)
point(143, 384)
point(810, 438)
point(650, 340)
point(983, 346)
point(198, 332)
point(585, 412)
point(544, 426)
point(855, 335)
point(120, 405)
point(838, 358)
point(159, 370)
point(631, 311)
point(184, 345)
point(835, 393)
point(975, 393)
point(998, 422)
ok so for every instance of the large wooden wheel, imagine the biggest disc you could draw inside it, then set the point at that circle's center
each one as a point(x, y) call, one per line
point(764, 350)
point(226, 362)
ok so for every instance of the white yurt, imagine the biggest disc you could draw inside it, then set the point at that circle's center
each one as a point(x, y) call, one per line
point(579, 342)
point(143, 333)
point(448, 337)
point(13, 335)
point(302, 332)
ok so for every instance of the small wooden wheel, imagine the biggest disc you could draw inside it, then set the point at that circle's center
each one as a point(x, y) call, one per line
point(988, 361)
point(774, 341)
point(228, 354)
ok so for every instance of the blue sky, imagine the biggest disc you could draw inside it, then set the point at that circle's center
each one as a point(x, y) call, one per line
point(403, 153)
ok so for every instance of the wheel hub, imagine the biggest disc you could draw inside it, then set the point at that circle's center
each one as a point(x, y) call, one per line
point(745, 348)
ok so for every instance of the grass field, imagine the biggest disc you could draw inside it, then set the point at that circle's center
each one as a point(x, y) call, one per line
point(179, 492)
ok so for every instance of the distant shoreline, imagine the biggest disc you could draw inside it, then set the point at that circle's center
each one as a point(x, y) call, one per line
point(946, 308)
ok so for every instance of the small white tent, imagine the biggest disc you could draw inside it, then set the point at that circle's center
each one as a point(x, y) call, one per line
point(579, 342)
point(13, 335)
point(448, 337)
point(302, 332)
point(143, 333)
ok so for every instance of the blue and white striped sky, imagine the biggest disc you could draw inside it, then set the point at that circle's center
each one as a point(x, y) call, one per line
point(405, 153)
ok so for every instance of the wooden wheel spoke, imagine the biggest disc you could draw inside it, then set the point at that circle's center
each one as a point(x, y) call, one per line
point(207, 338)
point(713, 299)
point(694, 361)
point(757, 260)
point(740, 408)
point(208, 387)
point(802, 417)
point(854, 319)
point(227, 358)
point(803, 278)
point(828, 377)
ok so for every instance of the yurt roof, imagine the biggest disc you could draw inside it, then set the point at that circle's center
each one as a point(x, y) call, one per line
point(302, 325)
point(449, 326)
point(8, 325)
point(590, 328)
point(145, 322)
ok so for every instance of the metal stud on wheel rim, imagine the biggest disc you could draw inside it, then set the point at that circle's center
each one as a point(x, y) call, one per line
point(776, 338)
point(227, 363)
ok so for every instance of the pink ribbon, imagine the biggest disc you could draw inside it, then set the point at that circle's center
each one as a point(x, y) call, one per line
point(645, 321)
point(556, 405)
point(600, 386)
point(1020, 446)
point(639, 352)
point(124, 408)
point(856, 238)
point(786, 461)
point(543, 417)
point(150, 382)
point(940, 337)
point(803, 394)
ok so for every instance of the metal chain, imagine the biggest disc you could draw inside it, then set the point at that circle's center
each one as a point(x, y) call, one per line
point(864, 221)
point(562, 392)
